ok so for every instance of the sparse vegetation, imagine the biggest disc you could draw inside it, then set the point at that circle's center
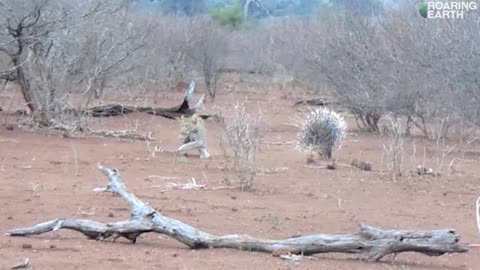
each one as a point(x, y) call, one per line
point(372, 69)
point(394, 148)
point(51, 56)
point(389, 65)
point(243, 134)
point(86, 68)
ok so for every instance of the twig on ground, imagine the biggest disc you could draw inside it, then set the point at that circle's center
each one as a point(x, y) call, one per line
point(23, 264)
point(165, 178)
point(9, 140)
point(292, 257)
point(477, 207)
point(315, 167)
point(279, 143)
point(325, 167)
point(272, 171)
point(85, 213)
point(121, 134)
point(191, 185)
point(74, 130)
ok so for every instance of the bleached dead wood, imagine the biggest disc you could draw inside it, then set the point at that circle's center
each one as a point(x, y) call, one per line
point(23, 264)
point(477, 213)
point(373, 242)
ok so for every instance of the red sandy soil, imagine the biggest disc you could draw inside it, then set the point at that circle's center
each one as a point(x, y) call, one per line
point(45, 176)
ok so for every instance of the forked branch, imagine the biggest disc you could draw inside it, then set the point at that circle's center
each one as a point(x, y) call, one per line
point(372, 242)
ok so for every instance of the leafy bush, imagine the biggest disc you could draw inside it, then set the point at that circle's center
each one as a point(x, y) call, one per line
point(229, 16)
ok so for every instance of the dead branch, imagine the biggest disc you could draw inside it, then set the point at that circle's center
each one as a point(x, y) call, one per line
point(183, 109)
point(477, 213)
point(121, 134)
point(23, 264)
point(313, 102)
point(272, 171)
point(72, 131)
point(279, 143)
point(190, 185)
point(373, 242)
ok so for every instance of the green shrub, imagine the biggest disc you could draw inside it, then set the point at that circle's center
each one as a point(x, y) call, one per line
point(229, 16)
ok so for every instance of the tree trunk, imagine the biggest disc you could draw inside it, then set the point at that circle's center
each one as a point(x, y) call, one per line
point(408, 127)
point(24, 86)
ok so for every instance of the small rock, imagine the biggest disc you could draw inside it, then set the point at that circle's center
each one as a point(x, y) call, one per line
point(310, 194)
point(332, 166)
point(362, 165)
point(52, 246)
point(285, 251)
point(310, 159)
point(26, 246)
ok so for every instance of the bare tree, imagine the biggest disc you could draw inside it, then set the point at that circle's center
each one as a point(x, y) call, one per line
point(439, 67)
point(163, 62)
point(189, 44)
point(208, 49)
point(348, 59)
point(396, 63)
point(52, 56)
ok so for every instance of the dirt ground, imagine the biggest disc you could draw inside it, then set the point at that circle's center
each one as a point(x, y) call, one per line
point(46, 176)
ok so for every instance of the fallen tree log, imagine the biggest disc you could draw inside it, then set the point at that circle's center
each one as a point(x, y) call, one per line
point(183, 109)
point(373, 242)
point(313, 102)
